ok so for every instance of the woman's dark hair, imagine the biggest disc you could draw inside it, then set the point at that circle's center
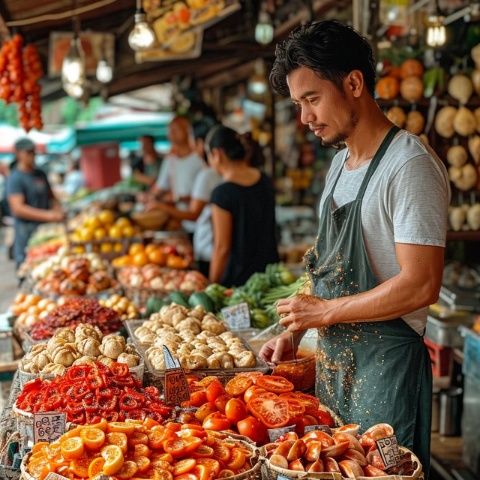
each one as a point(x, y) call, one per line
point(202, 127)
point(227, 140)
point(329, 48)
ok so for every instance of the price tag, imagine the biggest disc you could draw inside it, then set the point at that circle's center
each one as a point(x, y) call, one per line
point(237, 317)
point(321, 428)
point(48, 426)
point(176, 386)
point(276, 433)
point(389, 451)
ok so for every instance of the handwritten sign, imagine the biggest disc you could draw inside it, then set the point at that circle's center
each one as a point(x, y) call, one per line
point(276, 433)
point(237, 317)
point(321, 428)
point(389, 451)
point(55, 476)
point(176, 387)
point(48, 426)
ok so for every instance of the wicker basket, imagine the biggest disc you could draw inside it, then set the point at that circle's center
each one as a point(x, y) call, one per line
point(272, 472)
point(154, 220)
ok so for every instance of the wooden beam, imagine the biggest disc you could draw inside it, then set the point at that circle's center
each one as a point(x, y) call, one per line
point(4, 16)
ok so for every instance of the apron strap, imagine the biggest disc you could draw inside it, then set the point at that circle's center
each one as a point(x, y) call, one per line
point(376, 160)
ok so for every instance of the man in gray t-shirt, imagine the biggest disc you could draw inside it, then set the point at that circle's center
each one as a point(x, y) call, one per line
point(30, 197)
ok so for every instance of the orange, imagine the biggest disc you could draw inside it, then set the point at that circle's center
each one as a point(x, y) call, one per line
point(157, 257)
point(135, 248)
point(74, 432)
point(102, 425)
point(92, 437)
point(143, 464)
point(122, 427)
point(100, 233)
point(151, 247)
point(119, 439)
point(123, 222)
point(140, 259)
point(114, 460)
point(95, 467)
point(128, 470)
point(39, 447)
point(106, 217)
point(39, 471)
point(117, 247)
point(80, 467)
point(72, 448)
point(122, 261)
point(115, 232)
point(128, 231)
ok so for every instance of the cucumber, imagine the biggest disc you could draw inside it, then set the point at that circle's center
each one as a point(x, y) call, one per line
point(154, 305)
point(179, 298)
point(203, 300)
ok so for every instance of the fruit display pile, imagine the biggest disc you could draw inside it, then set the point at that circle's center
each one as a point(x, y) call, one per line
point(122, 305)
point(344, 452)
point(141, 450)
point(73, 312)
point(90, 393)
point(251, 403)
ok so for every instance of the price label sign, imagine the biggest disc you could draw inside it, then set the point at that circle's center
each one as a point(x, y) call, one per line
point(237, 317)
point(321, 428)
point(176, 387)
point(55, 476)
point(48, 426)
point(389, 451)
point(275, 433)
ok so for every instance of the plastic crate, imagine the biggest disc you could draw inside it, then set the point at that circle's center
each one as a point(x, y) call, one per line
point(441, 358)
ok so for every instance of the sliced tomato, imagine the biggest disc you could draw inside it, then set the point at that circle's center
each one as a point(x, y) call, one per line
point(238, 385)
point(275, 384)
point(295, 408)
point(203, 451)
point(119, 369)
point(197, 399)
point(211, 464)
point(310, 402)
point(221, 402)
point(216, 421)
point(184, 466)
point(272, 412)
point(221, 452)
point(214, 390)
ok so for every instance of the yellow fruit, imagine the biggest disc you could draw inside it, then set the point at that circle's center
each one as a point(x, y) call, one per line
point(118, 247)
point(92, 222)
point(128, 231)
point(135, 248)
point(72, 448)
point(86, 234)
point(96, 467)
point(100, 233)
point(78, 249)
point(106, 248)
point(122, 261)
point(123, 222)
point(92, 437)
point(76, 236)
point(114, 460)
point(115, 232)
point(140, 259)
point(106, 217)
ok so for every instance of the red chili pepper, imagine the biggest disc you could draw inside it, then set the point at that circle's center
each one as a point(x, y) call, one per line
point(128, 402)
point(119, 369)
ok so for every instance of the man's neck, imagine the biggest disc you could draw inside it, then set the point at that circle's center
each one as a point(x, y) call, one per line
point(25, 168)
point(182, 150)
point(368, 134)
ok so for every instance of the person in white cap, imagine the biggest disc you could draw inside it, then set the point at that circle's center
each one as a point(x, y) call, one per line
point(30, 197)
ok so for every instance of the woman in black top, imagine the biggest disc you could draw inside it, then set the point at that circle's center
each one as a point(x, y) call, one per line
point(243, 212)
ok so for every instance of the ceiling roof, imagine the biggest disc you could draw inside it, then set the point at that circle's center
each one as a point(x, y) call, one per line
point(226, 46)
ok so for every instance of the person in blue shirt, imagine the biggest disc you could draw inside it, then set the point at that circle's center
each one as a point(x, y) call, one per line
point(30, 197)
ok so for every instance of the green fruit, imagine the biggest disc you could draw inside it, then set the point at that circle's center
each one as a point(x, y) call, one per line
point(154, 305)
point(203, 300)
point(179, 298)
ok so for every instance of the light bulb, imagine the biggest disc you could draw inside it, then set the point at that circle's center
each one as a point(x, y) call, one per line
point(436, 31)
point(142, 35)
point(73, 66)
point(264, 30)
point(74, 90)
point(104, 71)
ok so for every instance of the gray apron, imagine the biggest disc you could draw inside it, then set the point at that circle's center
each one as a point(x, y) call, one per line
point(368, 373)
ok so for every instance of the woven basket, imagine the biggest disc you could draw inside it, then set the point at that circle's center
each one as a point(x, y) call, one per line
point(272, 472)
point(153, 220)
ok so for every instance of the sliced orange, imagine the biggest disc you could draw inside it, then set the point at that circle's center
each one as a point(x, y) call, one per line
point(128, 470)
point(39, 447)
point(80, 467)
point(39, 471)
point(150, 423)
point(119, 439)
point(141, 450)
point(102, 425)
point(143, 464)
point(122, 427)
point(137, 438)
point(95, 467)
point(184, 466)
point(114, 460)
point(92, 437)
point(74, 432)
point(72, 448)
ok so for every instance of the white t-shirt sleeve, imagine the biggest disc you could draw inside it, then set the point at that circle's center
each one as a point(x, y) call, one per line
point(163, 181)
point(203, 185)
point(417, 201)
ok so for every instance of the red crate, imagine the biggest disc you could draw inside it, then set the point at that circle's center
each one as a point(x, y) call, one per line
point(441, 358)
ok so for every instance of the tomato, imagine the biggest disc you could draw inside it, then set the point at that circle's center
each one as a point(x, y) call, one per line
point(214, 390)
point(184, 466)
point(275, 384)
point(235, 410)
point(272, 412)
point(175, 447)
point(141, 450)
point(238, 385)
point(143, 464)
point(238, 459)
point(216, 421)
point(186, 476)
point(221, 452)
point(304, 421)
point(197, 399)
point(251, 391)
point(137, 438)
point(324, 418)
point(203, 451)
point(192, 443)
point(205, 410)
point(310, 402)
point(295, 408)
point(221, 402)
point(211, 464)
point(128, 470)
point(252, 428)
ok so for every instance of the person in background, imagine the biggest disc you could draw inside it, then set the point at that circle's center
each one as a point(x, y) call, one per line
point(147, 168)
point(74, 179)
point(30, 197)
point(243, 212)
point(179, 170)
point(199, 210)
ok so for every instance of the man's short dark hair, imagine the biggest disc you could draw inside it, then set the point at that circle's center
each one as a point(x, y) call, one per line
point(329, 48)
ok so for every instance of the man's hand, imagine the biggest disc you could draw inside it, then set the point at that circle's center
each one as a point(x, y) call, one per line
point(280, 347)
point(302, 312)
point(57, 215)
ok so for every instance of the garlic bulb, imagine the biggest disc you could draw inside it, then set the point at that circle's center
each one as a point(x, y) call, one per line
point(473, 217)
point(88, 346)
point(129, 359)
point(460, 88)
point(112, 346)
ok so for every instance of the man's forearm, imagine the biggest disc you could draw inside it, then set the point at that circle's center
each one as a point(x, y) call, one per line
point(218, 264)
point(397, 296)
point(25, 212)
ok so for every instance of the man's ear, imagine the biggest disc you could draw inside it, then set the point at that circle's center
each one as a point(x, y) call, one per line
point(354, 83)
